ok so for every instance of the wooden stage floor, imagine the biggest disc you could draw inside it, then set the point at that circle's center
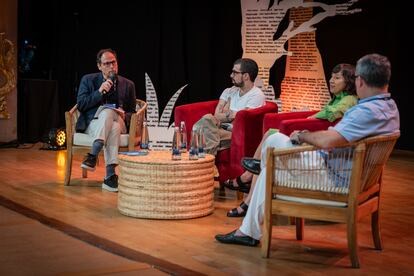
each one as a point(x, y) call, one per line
point(31, 184)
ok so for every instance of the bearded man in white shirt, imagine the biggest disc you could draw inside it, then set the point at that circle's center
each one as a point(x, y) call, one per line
point(242, 95)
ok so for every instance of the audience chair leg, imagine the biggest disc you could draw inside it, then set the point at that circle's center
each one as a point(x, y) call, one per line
point(375, 228)
point(84, 173)
point(267, 236)
point(300, 222)
point(68, 170)
point(353, 242)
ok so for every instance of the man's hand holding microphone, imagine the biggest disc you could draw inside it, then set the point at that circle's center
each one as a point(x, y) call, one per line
point(108, 83)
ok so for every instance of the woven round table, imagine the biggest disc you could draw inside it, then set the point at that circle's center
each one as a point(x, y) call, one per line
point(154, 186)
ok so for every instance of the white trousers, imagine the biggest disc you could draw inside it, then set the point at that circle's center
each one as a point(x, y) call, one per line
point(252, 222)
point(108, 127)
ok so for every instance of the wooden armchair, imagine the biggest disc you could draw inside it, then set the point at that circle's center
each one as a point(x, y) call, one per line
point(340, 185)
point(81, 142)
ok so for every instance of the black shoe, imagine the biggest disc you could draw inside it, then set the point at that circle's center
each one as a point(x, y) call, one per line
point(89, 162)
point(231, 238)
point(234, 213)
point(243, 187)
point(251, 164)
point(111, 183)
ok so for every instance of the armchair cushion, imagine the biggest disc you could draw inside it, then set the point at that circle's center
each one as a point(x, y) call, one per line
point(83, 139)
point(312, 201)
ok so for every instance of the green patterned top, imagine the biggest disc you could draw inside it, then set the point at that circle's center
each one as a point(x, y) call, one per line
point(336, 107)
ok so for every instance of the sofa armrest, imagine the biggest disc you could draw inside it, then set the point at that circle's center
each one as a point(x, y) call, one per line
point(247, 132)
point(311, 124)
point(274, 120)
point(191, 113)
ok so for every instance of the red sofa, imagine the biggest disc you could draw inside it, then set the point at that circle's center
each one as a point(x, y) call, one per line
point(247, 133)
point(290, 121)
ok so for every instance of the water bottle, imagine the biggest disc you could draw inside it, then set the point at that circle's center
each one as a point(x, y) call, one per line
point(176, 154)
point(144, 137)
point(193, 153)
point(201, 143)
point(183, 131)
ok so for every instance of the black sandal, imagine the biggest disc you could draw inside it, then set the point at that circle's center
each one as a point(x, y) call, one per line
point(234, 213)
point(243, 187)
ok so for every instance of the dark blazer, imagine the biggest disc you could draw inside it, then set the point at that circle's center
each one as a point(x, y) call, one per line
point(89, 98)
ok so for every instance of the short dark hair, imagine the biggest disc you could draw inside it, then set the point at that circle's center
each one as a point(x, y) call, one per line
point(248, 66)
point(348, 72)
point(375, 69)
point(102, 51)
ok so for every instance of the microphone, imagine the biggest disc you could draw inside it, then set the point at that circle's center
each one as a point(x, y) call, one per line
point(113, 77)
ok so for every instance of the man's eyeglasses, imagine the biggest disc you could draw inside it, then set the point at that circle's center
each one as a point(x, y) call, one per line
point(109, 63)
point(237, 72)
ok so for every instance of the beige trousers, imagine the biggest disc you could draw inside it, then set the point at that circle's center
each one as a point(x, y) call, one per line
point(107, 126)
point(215, 137)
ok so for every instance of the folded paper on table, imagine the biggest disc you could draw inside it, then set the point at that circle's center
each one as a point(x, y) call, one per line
point(134, 153)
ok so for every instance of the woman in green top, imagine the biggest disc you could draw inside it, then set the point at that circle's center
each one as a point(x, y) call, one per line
point(342, 86)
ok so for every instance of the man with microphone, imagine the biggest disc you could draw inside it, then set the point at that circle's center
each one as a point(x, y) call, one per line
point(106, 102)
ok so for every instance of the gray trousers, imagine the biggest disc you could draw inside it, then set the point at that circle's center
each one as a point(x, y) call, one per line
point(107, 126)
point(216, 138)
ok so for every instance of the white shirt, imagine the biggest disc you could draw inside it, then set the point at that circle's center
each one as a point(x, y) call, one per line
point(254, 98)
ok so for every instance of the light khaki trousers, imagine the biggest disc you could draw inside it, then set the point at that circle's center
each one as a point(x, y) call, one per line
point(107, 126)
point(215, 137)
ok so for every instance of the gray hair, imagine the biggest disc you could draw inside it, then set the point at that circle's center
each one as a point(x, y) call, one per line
point(375, 69)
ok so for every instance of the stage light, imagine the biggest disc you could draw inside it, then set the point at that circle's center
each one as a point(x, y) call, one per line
point(56, 139)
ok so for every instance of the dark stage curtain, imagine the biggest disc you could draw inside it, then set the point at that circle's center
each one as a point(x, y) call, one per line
point(38, 109)
point(175, 42)
point(192, 42)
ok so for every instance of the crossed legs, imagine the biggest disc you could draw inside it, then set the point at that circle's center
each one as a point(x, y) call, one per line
point(106, 130)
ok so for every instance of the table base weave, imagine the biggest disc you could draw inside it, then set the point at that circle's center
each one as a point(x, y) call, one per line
point(174, 190)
